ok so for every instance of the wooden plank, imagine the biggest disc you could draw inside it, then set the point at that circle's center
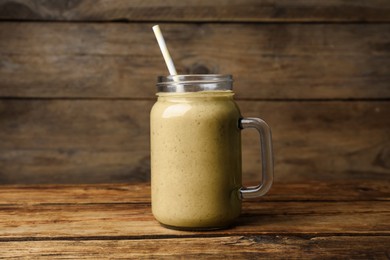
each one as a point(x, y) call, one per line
point(203, 10)
point(76, 226)
point(81, 141)
point(136, 193)
point(238, 247)
point(268, 61)
point(74, 141)
point(55, 221)
point(316, 145)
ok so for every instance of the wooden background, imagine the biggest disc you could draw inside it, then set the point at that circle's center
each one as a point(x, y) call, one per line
point(77, 81)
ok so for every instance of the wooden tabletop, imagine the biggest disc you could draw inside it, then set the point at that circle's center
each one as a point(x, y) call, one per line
point(309, 220)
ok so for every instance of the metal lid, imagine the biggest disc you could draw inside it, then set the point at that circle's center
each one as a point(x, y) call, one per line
point(194, 83)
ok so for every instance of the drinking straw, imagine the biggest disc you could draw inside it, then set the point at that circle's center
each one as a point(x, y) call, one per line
point(164, 50)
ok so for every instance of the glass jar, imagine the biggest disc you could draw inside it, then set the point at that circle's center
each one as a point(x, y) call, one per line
point(196, 153)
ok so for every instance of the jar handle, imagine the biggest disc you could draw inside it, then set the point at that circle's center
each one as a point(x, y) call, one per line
point(266, 157)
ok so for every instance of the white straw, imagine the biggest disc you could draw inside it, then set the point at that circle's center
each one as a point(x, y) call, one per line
point(164, 50)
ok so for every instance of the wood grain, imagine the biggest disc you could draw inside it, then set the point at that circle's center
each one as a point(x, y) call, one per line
point(81, 141)
point(210, 11)
point(74, 141)
point(238, 247)
point(129, 218)
point(115, 221)
point(241, 247)
point(268, 61)
point(57, 194)
point(43, 222)
point(301, 219)
point(75, 94)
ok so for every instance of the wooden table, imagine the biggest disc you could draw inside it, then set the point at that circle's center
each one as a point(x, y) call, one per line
point(296, 220)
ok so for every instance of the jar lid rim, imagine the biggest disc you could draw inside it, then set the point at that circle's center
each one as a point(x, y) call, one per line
point(194, 82)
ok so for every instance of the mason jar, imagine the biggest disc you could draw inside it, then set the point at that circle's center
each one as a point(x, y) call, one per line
point(196, 126)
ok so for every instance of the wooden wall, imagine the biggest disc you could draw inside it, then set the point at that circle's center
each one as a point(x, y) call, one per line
point(77, 81)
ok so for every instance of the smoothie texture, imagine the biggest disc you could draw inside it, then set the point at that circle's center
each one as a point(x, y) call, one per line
point(196, 159)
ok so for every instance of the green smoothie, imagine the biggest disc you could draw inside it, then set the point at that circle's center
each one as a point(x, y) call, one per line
point(196, 159)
